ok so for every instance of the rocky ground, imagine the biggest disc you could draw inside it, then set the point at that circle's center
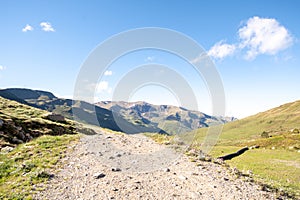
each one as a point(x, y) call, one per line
point(117, 166)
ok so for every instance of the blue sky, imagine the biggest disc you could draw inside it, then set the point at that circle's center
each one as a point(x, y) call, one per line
point(254, 45)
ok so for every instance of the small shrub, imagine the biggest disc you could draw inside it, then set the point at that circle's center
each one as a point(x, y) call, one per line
point(265, 134)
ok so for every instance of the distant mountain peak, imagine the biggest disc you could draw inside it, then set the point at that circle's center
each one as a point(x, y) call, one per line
point(129, 117)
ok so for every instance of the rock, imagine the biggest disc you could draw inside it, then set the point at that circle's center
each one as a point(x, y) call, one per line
point(249, 172)
point(181, 177)
point(118, 155)
point(28, 136)
point(55, 117)
point(98, 175)
point(116, 169)
point(294, 130)
point(16, 141)
point(7, 149)
point(166, 170)
point(254, 147)
point(192, 152)
point(1, 123)
point(21, 135)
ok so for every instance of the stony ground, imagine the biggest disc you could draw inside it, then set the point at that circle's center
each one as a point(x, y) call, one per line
point(116, 166)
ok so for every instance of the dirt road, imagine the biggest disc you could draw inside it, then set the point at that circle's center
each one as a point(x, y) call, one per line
point(117, 166)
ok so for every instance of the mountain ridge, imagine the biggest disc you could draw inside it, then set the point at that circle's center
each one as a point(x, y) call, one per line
point(129, 117)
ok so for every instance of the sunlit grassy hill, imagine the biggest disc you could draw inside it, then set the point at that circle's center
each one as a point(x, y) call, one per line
point(276, 132)
point(274, 122)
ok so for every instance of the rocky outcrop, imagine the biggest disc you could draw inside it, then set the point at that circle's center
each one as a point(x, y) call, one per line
point(55, 117)
point(14, 132)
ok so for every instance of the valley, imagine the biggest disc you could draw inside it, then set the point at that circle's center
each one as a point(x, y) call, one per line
point(39, 155)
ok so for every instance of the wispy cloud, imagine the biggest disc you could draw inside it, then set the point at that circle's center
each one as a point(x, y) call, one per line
point(108, 73)
point(264, 36)
point(221, 50)
point(46, 26)
point(27, 28)
point(2, 67)
point(257, 36)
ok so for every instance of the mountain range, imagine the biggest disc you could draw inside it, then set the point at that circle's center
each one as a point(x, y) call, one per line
point(129, 117)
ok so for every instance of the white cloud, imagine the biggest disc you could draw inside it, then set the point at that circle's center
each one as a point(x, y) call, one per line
point(221, 50)
point(264, 36)
point(27, 28)
point(108, 73)
point(2, 67)
point(257, 36)
point(46, 26)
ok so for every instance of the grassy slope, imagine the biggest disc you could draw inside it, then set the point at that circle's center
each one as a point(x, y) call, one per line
point(32, 162)
point(277, 161)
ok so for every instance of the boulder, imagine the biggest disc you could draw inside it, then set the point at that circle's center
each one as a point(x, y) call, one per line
point(16, 141)
point(7, 149)
point(21, 135)
point(294, 130)
point(55, 117)
point(98, 175)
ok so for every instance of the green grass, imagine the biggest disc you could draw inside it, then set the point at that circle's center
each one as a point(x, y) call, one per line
point(160, 138)
point(35, 161)
point(277, 168)
point(30, 164)
point(277, 161)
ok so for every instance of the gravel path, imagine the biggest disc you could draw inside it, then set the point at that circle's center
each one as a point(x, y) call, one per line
point(116, 166)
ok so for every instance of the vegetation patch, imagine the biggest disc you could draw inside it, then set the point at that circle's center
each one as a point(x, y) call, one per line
point(32, 163)
point(160, 138)
point(275, 132)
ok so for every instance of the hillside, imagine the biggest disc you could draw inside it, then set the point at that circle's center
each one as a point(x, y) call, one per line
point(54, 163)
point(275, 121)
point(20, 123)
point(275, 134)
point(130, 118)
point(82, 111)
point(31, 143)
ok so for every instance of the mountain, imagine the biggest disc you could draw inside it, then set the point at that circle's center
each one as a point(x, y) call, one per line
point(118, 116)
point(82, 111)
point(171, 119)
